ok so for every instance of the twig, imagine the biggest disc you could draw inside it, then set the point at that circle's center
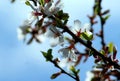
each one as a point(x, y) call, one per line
point(102, 24)
point(105, 59)
point(63, 71)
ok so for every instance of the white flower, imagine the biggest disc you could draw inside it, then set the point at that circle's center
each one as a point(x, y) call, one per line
point(66, 63)
point(55, 36)
point(69, 58)
point(90, 75)
point(41, 37)
point(78, 28)
point(52, 31)
point(69, 53)
point(23, 30)
point(32, 17)
point(50, 8)
point(55, 41)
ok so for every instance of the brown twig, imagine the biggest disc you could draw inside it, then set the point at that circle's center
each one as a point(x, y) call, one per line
point(76, 77)
point(105, 59)
point(102, 23)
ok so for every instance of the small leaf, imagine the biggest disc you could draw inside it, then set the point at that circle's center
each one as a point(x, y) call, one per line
point(55, 75)
point(110, 47)
point(42, 2)
point(72, 68)
point(48, 55)
point(105, 18)
point(27, 3)
point(75, 72)
point(105, 12)
point(65, 16)
point(102, 52)
point(87, 36)
point(62, 15)
point(96, 10)
point(91, 53)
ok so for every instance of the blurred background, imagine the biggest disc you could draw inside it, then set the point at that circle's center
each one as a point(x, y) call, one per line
point(21, 62)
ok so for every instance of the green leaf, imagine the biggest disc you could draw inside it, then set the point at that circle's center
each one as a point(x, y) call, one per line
point(72, 68)
point(27, 3)
point(91, 53)
point(62, 15)
point(110, 47)
point(87, 36)
point(42, 2)
point(48, 55)
point(58, 22)
point(55, 75)
point(96, 10)
point(65, 16)
point(102, 52)
point(75, 72)
point(106, 17)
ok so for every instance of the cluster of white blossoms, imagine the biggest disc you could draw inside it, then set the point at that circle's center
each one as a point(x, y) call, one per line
point(41, 13)
point(78, 28)
point(50, 8)
point(69, 58)
point(55, 36)
point(24, 29)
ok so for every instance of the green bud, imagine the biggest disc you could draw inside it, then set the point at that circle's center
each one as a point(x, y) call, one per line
point(27, 3)
point(55, 75)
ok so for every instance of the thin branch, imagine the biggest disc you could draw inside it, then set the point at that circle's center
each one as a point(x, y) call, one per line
point(102, 24)
point(63, 71)
point(105, 59)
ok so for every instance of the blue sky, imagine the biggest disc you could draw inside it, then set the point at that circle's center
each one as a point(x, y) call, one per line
point(21, 62)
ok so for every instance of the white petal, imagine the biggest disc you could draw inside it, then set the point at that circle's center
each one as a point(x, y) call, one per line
point(20, 34)
point(90, 75)
point(73, 56)
point(77, 25)
point(54, 41)
point(41, 37)
point(49, 33)
point(31, 17)
point(64, 52)
point(61, 40)
point(63, 62)
point(86, 27)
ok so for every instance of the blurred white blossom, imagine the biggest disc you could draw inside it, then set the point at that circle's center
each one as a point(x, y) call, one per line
point(58, 40)
point(66, 63)
point(50, 8)
point(32, 16)
point(89, 77)
point(55, 36)
point(69, 58)
point(78, 28)
point(23, 30)
point(69, 53)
